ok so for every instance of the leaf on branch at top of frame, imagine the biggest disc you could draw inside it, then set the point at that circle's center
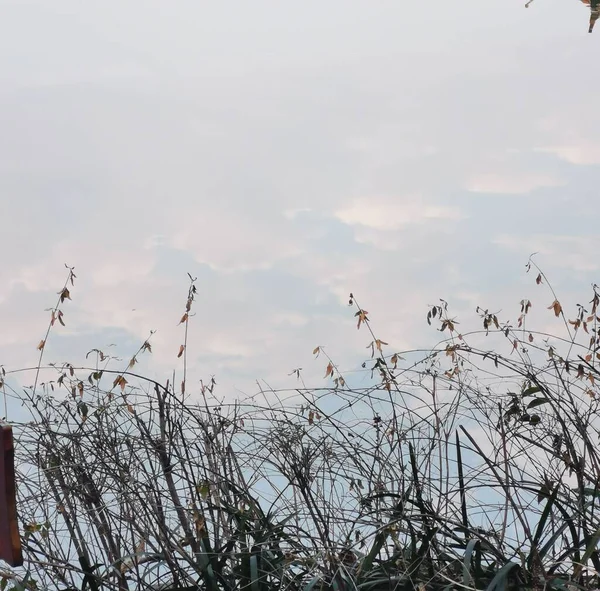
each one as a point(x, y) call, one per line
point(181, 350)
point(316, 351)
point(146, 347)
point(538, 279)
point(41, 345)
point(362, 317)
point(556, 307)
point(132, 362)
point(121, 382)
point(329, 370)
point(183, 318)
point(64, 295)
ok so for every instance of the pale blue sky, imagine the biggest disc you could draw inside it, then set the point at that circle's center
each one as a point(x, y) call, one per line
point(287, 155)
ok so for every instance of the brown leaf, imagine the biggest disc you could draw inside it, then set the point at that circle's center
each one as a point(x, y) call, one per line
point(181, 350)
point(60, 317)
point(41, 345)
point(329, 370)
point(530, 338)
point(80, 388)
point(146, 347)
point(556, 307)
point(121, 382)
point(311, 417)
point(132, 362)
point(130, 408)
point(538, 279)
point(64, 295)
point(183, 318)
point(316, 351)
point(53, 318)
point(362, 317)
point(378, 344)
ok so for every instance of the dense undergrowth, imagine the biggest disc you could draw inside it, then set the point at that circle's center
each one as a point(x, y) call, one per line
point(474, 465)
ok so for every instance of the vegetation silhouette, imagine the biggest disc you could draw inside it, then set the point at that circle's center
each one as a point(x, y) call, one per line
point(471, 465)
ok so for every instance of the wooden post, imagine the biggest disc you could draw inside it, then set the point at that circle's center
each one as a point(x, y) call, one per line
point(10, 541)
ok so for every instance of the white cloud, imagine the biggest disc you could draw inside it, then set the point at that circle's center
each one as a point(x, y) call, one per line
point(393, 213)
point(511, 183)
point(580, 152)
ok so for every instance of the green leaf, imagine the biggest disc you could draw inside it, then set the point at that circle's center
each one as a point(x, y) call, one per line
point(531, 391)
point(467, 562)
point(499, 582)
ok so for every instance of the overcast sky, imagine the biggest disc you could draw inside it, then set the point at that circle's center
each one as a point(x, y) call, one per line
point(287, 154)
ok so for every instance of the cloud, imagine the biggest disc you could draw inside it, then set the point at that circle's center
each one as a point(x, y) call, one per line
point(512, 183)
point(580, 152)
point(391, 213)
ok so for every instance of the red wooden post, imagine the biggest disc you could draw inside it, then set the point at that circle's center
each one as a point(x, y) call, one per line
point(10, 541)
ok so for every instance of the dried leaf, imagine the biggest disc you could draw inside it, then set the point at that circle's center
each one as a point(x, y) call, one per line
point(121, 382)
point(184, 318)
point(378, 344)
point(52, 318)
point(316, 351)
point(555, 305)
point(132, 362)
point(329, 370)
point(181, 350)
point(64, 295)
point(146, 347)
point(130, 408)
point(60, 317)
point(362, 317)
point(538, 279)
point(41, 345)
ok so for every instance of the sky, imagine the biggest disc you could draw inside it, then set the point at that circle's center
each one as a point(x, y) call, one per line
point(286, 155)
